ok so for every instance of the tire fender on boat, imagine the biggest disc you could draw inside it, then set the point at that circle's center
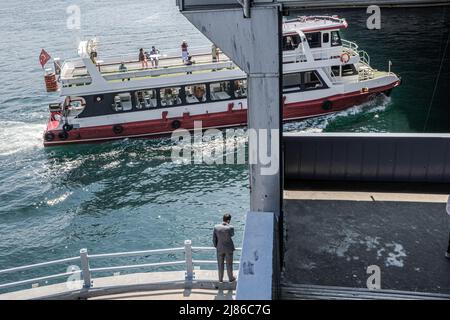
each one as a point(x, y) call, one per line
point(63, 135)
point(327, 105)
point(67, 127)
point(176, 124)
point(117, 129)
point(49, 136)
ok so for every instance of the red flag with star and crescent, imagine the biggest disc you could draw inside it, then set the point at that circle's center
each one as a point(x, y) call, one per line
point(43, 58)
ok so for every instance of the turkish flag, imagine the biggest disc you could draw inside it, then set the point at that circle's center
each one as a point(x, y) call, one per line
point(43, 58)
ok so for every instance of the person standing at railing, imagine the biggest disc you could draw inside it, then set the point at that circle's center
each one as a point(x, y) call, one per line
point(223, 242)
point(143, 58)
point(184, 51)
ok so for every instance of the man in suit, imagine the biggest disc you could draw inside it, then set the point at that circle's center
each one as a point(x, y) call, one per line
point(223, 242)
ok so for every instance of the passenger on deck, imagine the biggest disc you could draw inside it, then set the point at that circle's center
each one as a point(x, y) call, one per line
point(223, 242)
point(215, 53)
point(154, 57)
point(184, 51)
point(123, 68)
point(143, 58)
point(189, 62)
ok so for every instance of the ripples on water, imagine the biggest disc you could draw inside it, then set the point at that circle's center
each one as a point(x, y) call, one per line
point(128, 195)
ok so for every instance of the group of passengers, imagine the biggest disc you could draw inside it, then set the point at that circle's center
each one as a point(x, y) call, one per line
point(153, 56)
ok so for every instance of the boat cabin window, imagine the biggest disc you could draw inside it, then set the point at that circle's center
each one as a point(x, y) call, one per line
point(314, 39)
point(75, 103)
point(220, 90)
point(195, 93)
point(349, 70)
point(325, 37)
point(240, 88)
point(122, 102)
point(170, 96)
point(145, 99)
point(335, 39)
point(291, 42)
point(292, 81)
point(312, 80)
point(336, 70)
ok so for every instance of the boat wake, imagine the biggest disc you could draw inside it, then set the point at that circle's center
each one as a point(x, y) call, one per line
point(319, 124)
point(18, 137)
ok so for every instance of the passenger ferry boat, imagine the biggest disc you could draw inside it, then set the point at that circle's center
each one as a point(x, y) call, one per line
point(116, 98)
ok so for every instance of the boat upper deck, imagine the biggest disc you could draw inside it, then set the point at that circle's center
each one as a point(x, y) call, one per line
point(74, 72)
point(314, 23)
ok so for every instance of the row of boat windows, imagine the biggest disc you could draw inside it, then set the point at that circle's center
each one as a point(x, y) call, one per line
point(181, 95)
point(211, 92)
point(315, 40)
point(308, 80)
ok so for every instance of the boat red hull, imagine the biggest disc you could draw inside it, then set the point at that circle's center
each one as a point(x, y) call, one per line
point(230, 118)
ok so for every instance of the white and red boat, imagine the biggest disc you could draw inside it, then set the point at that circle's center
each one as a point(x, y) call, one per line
point(118, 98)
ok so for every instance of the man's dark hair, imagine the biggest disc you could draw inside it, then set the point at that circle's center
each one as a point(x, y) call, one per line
point(227, 217)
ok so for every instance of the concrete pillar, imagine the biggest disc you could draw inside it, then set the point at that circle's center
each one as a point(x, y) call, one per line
point(254, 45)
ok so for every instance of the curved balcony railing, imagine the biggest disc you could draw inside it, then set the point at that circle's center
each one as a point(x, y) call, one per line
point(80, 265)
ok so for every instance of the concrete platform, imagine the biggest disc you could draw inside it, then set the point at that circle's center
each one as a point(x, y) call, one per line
point(139, 286)
point(332, 237)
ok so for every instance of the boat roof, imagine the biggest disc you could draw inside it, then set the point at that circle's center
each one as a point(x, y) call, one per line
point(314, 23)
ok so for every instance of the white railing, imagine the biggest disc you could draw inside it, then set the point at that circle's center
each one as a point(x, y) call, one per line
point(349, 45)
point(85, 271)
point(364, 56)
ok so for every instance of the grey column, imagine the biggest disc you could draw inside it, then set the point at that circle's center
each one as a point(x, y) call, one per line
point(254, 45)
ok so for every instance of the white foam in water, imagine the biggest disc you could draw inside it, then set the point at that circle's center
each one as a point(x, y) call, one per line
point(319, 124)
point(59, 199)
point(17, 137)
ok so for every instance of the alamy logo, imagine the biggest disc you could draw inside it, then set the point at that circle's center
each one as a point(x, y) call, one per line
point(73, 21)
point(374, 280)
point(374, 21)
point(213, 146)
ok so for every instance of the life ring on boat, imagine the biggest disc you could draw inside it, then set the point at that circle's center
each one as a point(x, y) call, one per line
point(345, 57)
point(117, 129)
point(327, 105)
point(63, 135)
point(176, 124)
point(49, 136)
point(67, 127)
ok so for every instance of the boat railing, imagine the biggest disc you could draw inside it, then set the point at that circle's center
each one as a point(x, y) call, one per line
point(364, 56)
point(350, 45)
point(366, 74)
point(79, 266)
point(152, 72)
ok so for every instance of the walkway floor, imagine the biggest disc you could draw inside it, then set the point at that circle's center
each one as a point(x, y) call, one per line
point(139, 286)
point(332, 237)
point(178, 294)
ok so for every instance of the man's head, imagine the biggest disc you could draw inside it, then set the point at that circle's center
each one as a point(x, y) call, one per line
point(227, 217)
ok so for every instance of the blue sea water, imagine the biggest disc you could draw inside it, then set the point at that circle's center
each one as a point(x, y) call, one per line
point(128, 195)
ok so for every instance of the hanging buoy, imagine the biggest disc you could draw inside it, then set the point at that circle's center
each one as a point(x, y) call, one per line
point(49, 136)
point(176, 124)
point(117, 129)
point(345, 57)
point(327, 105)
point(67, 127)
point(63, 135)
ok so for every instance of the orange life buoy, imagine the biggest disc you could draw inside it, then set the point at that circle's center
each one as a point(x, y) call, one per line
point(345, 57)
